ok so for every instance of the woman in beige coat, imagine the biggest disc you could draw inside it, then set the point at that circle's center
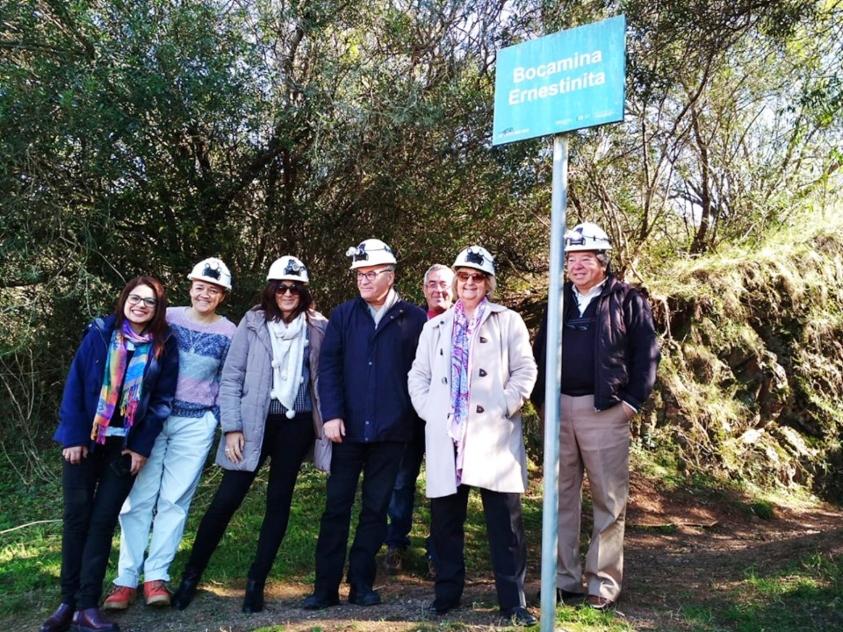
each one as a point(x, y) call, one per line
point(473, 370)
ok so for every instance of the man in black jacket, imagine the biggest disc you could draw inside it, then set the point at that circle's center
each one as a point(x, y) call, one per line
point(609, 360)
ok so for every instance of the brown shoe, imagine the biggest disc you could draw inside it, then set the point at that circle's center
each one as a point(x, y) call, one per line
point(120, 598)
point(597, 602)
point(431, 569)
point(155, 593)
point(394, 559)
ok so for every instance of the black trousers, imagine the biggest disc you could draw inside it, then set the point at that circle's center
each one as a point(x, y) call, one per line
point(379, 463)
point(94, 491)
point(286, 442)
point(507, 546)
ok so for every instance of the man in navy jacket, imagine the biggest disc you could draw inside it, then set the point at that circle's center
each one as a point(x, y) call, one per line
point(368, 349)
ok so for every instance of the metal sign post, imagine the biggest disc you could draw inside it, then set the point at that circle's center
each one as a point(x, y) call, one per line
point(554, 84)
point(555, 307)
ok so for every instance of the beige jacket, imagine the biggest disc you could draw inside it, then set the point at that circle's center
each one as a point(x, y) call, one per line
point(502, 376)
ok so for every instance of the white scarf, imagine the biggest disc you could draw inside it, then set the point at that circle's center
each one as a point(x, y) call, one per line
point(288, 343)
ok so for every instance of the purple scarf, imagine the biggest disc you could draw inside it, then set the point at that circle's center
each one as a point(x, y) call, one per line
point(462, 337)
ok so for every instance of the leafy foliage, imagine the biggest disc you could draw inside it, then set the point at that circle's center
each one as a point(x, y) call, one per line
point(143, 136)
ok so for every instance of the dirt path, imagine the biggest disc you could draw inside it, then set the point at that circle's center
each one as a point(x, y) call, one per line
point(680, 549)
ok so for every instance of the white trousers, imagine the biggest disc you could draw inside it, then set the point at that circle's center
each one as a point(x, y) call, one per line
point(163, 488)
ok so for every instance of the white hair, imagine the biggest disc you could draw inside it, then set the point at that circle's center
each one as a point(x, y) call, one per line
point(438, 267)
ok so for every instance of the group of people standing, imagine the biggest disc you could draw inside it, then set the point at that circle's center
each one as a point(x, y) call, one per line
point(370, 391)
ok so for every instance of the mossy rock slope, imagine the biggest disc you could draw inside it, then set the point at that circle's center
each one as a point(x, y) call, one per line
point(751, 380)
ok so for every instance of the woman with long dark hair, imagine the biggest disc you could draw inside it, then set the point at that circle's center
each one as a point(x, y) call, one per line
point(117, 395)
point(269, 409)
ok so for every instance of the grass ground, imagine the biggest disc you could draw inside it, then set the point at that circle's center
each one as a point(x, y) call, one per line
point(698, 558)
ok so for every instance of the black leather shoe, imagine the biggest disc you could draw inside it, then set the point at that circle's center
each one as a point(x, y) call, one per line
point(60, 620)
point(364, 597)
point(253, 601)
point(90, 620)
point(569, 598)
point(518, 616)
point(187, 589)
point(440, 608)
point(318, 601)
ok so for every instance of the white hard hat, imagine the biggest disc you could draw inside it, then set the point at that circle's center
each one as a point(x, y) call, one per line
point(212, 270)
point(371, 252)
point(587, 236)
point(288, 268)
point(476, 257)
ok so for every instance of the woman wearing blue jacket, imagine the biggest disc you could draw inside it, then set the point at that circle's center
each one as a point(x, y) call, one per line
point(118, 392)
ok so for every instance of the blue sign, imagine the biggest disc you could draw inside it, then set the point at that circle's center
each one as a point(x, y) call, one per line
point(561, 82)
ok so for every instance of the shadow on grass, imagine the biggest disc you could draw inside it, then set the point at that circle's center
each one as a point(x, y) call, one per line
point(807, 595)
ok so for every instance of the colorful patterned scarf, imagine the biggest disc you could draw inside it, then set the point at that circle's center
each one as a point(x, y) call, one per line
point(462, 338)
point(122, 341)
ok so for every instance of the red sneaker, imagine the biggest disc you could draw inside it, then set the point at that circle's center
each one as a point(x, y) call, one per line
point(156, 593)
point(121, 597)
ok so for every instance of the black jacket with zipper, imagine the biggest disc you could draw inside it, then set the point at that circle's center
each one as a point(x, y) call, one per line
point(626, 352)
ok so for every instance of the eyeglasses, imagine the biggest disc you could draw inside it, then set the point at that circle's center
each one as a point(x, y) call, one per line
point(134, 299)
point(476, 277)
point(294, 290)
point(371, 275)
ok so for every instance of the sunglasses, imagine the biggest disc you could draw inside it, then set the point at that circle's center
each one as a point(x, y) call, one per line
point(294, 290)
point(477, 277)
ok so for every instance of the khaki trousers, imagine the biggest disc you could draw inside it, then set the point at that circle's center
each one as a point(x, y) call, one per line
point(596, 442)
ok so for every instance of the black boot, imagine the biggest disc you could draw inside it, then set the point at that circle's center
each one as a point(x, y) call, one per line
point(187, 588)
point(253, 600)
point(59, 621)
point(90, 620)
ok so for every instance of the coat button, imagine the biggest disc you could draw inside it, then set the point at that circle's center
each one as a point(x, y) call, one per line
point(444, 380)
point(480, 409)
point(482, 339)
point(483, 373)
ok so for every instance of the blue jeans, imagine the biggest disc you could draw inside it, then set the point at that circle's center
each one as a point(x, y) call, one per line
point(404, 495)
